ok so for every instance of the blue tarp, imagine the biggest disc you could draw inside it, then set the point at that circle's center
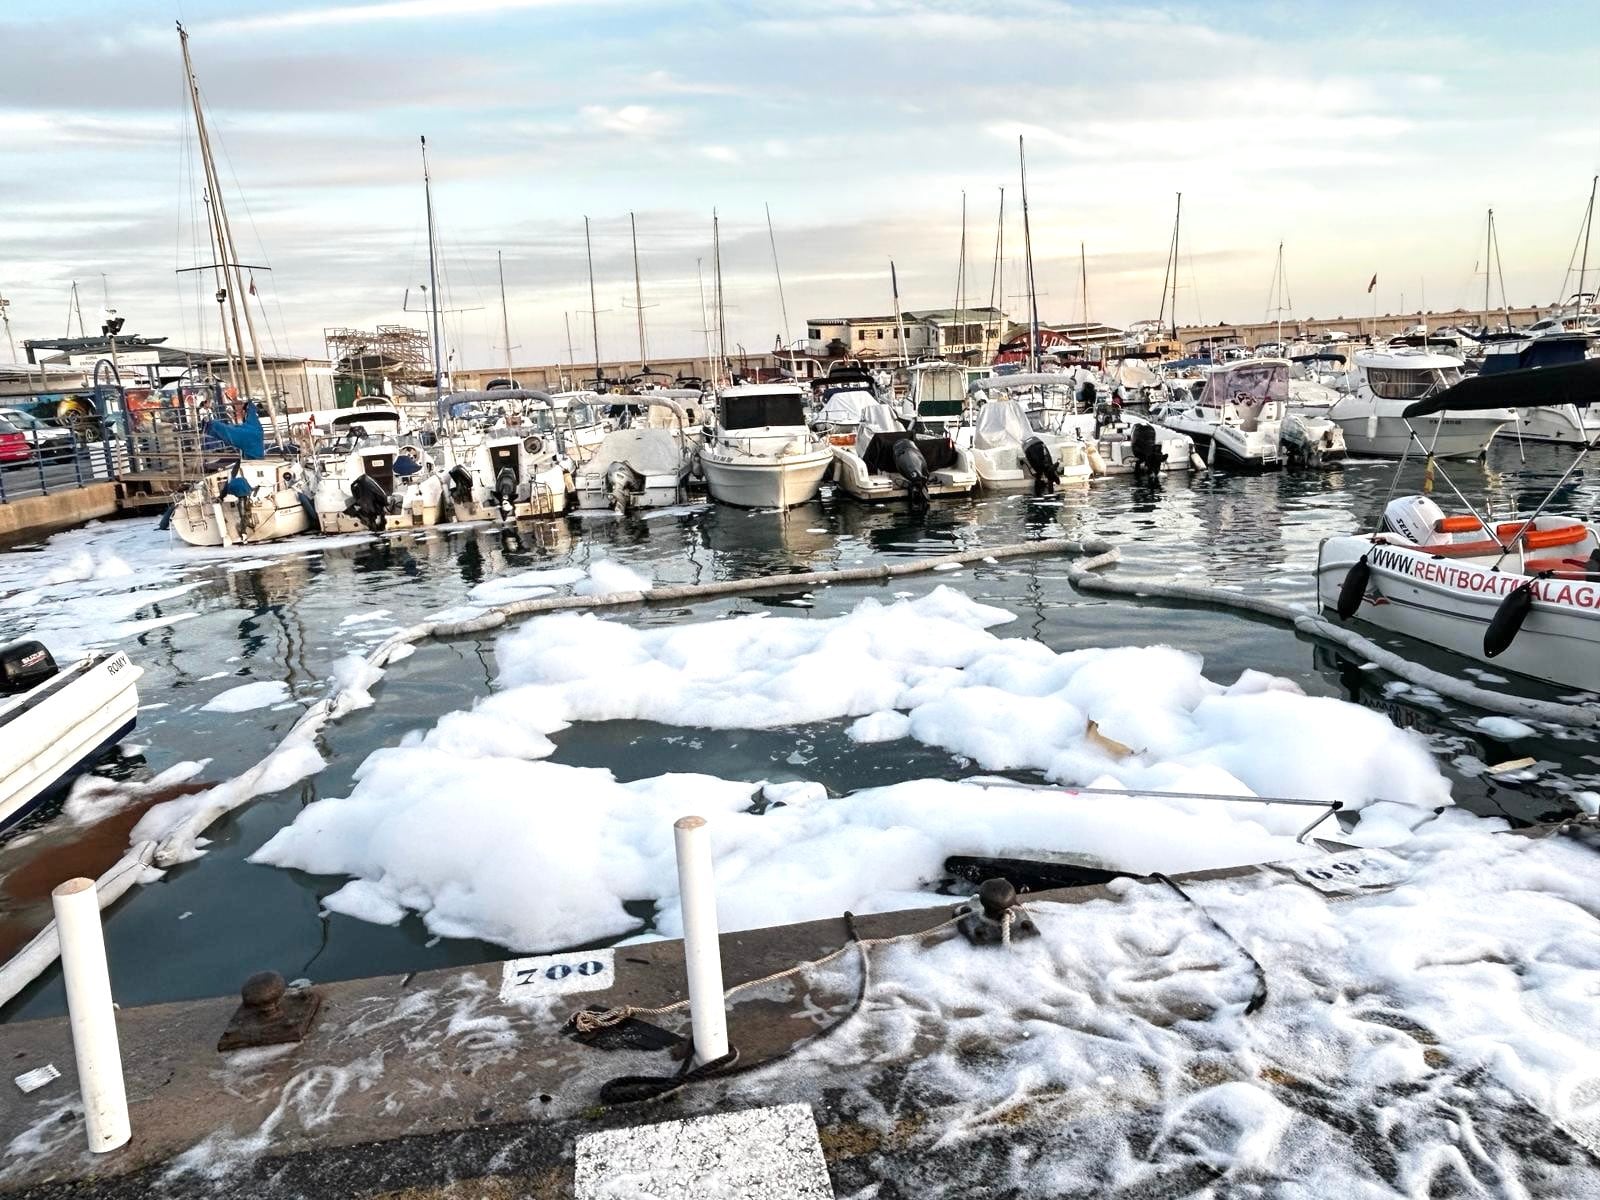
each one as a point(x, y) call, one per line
point(247, 437)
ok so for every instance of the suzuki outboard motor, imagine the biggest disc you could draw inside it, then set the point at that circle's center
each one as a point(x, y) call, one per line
point(1046, 474)
point(368, 503)
point(1147, 453)
point(24, 665)
point(909, 462)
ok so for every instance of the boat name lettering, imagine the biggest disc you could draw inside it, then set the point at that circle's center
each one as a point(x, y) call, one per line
point(116, 664)
point(1472, 579)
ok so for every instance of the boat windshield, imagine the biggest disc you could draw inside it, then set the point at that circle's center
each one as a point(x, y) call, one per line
point(1396, 383)
point(762, 409)
point(1247, 383)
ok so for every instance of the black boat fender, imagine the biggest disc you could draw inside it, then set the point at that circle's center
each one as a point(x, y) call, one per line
point(1507, 620)
point(1353, 589)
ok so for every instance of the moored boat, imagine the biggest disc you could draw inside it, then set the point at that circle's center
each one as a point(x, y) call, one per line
point(56, 723)
point(1387, 382)
point(761, 453)
point(887, 461)
point(1234, 416)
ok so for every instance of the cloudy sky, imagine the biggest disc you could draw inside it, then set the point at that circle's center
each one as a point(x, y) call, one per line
point(1367, 137)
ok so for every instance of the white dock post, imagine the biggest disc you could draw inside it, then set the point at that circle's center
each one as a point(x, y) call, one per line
point(702, 952)
point(94, 1022)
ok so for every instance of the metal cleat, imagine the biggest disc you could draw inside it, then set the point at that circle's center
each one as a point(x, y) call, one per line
point(997, 918)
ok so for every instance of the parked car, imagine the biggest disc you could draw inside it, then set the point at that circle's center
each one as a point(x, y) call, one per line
point(14, 446)
point(47, 439)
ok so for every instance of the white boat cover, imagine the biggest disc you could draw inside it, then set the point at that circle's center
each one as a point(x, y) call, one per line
point(1001, 423)
point(844, 407)
point(647, 451)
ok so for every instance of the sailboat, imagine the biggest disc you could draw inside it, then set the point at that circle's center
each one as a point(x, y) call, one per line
point(252, 498)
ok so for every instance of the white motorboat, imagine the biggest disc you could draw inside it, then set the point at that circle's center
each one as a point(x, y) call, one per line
point(581, 415)
point(1126, 444)
point(1010, 453)
point(761, 453)
point(1523, 593)
point(55, 723)
point(1310, 439)
point(1387, 382)
point(887, 461)
point(500, 455)
point(638, 467)
point(841, 395)
point(1234, 417)
point(364, 477)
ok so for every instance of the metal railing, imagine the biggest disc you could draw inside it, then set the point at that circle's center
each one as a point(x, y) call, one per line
point(62, 466)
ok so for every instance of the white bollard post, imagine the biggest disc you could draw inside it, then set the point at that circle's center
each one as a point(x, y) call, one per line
point(702, 951)
point(94, 1022)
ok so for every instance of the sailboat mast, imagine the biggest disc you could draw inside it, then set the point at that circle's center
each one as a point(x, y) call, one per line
point(638, 292)
point(435, 324)
point(1500, 270)
point(783, 306)
point(899, 324)
point(217, 210)
point(1027, 251)
point(722, 312)
point(997, 278)
point(961, 270)
point(1083, 278)
point(1488, 252)
point(1588, 228)
point(505, 320)
point(1177, 223)
point(594, 309)
point(572, 362)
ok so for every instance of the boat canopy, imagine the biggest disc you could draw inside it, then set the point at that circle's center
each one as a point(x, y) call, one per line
point(448, 405)
point(1023, 379)
point(879, 418)
point(1250, 381)
point(938, 389)
point(1001, 423)
point(1531, 387)
point(756, 409)
point(843, 407)
point(1552, 350)
point(1134, 373)
point(1324, 356)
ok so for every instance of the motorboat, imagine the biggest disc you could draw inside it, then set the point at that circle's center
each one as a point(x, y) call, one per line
point(1521, 592)
point(57, 723)
point(761, 453)
point(936, 399)
point(1126, 444)
point(840, 396)
point(1388, 381)
point(1564, 424)
point(888, 461)
point(642, 466)
point(254, 498)
point(364, 477)
point(1009, 453)
point(582, 418)
point(1235, 413)
point(500, 456)
point(1310, 439)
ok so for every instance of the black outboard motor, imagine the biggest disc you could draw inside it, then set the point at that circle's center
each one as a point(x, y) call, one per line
point(909, 462)
point(368, 503)
point(460, 484)
point(1147, 453)
point(505, 490)
point(622, 484)
point(24, 665)
point(1046, 471)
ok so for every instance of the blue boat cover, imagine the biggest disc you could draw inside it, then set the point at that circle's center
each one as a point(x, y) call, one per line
point(247, 437)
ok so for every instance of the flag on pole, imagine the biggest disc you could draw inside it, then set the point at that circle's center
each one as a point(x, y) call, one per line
point(253, 284)
point(1373, 284)
point(894, 282)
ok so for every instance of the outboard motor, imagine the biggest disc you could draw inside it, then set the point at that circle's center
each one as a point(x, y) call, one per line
point(460, 484)
point(24, 665)
point(909, 462)
point(368, 503)
point(623, 483)
point(505, 491)
point(1046, 474)
point(1147, 453)
point(1415, 518)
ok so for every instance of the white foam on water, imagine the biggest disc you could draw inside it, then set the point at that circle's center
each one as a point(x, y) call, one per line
point(248, 697)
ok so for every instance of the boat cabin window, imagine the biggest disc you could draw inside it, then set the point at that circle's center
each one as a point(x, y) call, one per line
point(753, 412)
point(1395, 383)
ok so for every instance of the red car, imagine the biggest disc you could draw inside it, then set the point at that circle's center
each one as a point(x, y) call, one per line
point(14, 446)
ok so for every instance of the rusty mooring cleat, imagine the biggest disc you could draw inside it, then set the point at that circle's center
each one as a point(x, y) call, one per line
point(985, 923)
point(269, 1013)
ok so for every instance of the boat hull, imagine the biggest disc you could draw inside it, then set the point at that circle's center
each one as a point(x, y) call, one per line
point(1449, 604)
point(1562, 425)
point(61, 729)
point(850, 473)
point(1388, 437)
point(780, 482)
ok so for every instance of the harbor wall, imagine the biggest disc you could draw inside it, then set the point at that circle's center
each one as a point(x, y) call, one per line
point(33, 515)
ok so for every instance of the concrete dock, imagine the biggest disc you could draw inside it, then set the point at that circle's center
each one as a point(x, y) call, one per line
point(1148, 1042)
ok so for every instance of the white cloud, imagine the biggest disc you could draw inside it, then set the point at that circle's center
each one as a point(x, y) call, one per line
point(721, 154)
point(369, 14)
point(630, 120)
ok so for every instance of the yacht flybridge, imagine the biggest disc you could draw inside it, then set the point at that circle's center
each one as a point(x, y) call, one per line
point(761, 453)
point(1387, 383)
point(1523, 592)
